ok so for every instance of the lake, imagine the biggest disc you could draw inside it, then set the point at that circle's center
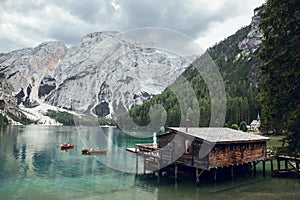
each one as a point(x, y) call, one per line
point(32, 166)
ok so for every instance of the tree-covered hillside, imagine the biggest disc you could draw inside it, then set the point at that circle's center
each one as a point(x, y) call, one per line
point(280, 71)
point(241, 91)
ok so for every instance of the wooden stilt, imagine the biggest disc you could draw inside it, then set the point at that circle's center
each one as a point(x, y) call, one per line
point(254, 168)
point(264, 168)
point(197, 178)
point(244, 169)
point(215, 175)
point(158, 170)
point(286, 164)
point(278, 164)
point(144, 164)
point(176, 171)
point(232, 172)
point(272, 167)
point(136, 163)
point(198, 174)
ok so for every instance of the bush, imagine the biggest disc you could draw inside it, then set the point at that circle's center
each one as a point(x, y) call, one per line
point(234, 126)
point(243, 126)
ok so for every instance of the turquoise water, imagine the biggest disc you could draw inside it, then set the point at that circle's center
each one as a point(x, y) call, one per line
point(32, 166)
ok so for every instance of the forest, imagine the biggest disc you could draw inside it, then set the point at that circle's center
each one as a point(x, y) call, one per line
point(274, 92)
point(241, 94)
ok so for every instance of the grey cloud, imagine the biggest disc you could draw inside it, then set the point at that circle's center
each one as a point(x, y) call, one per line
point(188, 17)
point(180, 15)
point(91, 11)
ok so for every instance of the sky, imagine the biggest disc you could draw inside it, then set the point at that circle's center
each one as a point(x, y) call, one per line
point(27, 23)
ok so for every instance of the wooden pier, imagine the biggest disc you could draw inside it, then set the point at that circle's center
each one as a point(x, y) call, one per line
point(291, 166)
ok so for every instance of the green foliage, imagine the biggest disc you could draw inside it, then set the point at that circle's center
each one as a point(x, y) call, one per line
point(21, 118)
point(65, 118)
point(280, 72)
point(234, 126)
point(3, 120)
point(106, 121)
point(243, 126)
point(68, 119)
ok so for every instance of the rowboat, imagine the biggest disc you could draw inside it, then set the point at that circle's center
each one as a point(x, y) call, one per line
point(66, 146)
point(284, 172)
point(90, 151)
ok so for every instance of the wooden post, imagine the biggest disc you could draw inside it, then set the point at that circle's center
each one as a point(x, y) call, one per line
point(136, 162)
point(144, 163)
point(197, 178)
point(176, 171)
point(198, 174)
point(244, 169)
point(232, 173)
point(159, 165)
point(215, 175)
point(286, 164)
point(264, 168)
point(278, 164)
point(272, 167)
point(254, 168)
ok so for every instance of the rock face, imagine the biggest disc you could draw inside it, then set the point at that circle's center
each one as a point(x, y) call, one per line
point(254, 38)
point(250, 45)
point(26, 68)
point(103, 75)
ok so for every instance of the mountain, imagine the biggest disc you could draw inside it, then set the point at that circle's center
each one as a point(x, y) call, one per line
point(107, 74)
point(236, 58)
point(104, 75)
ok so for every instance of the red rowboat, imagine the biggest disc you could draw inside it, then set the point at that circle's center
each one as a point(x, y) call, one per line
point(66, 146)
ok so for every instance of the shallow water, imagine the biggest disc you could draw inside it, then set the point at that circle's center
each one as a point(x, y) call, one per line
point(32, 166)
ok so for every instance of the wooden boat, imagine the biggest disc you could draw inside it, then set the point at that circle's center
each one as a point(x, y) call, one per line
point(91, 151)
point(66, 146)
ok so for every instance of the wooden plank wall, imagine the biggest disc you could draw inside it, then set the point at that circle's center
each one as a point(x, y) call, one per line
point(234, 154)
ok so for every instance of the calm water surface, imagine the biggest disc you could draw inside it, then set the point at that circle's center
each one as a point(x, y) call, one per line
point(32, 166)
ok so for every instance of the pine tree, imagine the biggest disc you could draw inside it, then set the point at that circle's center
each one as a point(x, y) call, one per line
point(280, 73)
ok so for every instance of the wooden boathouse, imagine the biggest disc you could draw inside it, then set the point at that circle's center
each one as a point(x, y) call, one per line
point(203, 149)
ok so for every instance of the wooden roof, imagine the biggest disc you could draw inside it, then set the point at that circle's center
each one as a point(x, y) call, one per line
point(220, 135)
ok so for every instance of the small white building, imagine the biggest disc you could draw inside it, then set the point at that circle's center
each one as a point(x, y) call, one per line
point(255, 124)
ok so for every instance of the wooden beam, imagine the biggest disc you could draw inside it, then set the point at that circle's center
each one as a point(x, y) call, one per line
point(198, 174)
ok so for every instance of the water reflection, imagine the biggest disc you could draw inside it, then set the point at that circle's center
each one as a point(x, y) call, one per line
point(32, 166)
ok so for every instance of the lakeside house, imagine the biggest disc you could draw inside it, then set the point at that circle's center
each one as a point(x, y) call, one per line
point(203, 149)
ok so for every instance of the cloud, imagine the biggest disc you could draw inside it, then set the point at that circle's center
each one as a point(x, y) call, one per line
point(28, 23)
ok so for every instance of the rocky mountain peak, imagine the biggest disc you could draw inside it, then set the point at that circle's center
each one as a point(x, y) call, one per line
point(91, 77)
point(254, 38)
